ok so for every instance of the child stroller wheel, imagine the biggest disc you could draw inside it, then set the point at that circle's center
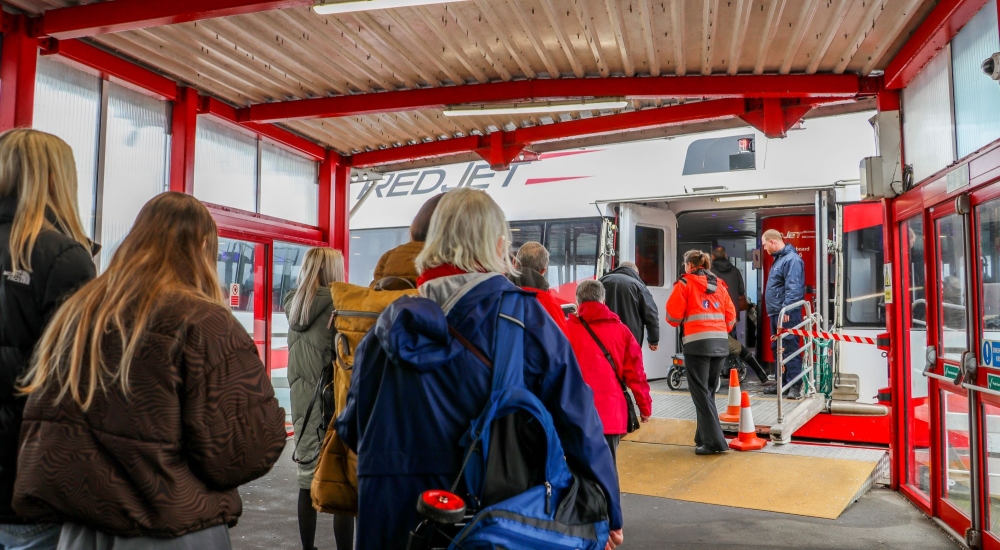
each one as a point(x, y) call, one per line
point(441, 507)
point(674, 376)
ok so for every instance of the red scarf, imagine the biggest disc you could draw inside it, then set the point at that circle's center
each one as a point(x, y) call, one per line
point(444, 270)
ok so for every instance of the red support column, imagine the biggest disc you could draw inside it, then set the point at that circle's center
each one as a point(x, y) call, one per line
point(17, 71)
point(184, 129)
point(326, 207)
point(341, 204)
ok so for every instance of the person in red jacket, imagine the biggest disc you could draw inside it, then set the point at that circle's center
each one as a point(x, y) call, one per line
point(602, 377)
point(533, 262)
point(700, 301)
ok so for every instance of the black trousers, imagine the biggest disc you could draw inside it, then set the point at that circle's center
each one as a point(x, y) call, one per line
point(613, 441)
point(702, 372)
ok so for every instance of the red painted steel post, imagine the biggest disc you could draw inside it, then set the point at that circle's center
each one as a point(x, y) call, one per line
point(326, 209)
point(182, 145)
point(17, 72)
point(341, 205)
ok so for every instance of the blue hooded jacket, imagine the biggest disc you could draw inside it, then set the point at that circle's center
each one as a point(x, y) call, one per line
point(786, 282)
point(416, 389)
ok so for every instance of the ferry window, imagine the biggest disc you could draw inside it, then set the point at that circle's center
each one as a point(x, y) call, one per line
point(864, 258)
point(521, 233)
point(68, 104)
point(572, 251)
point(724, 154)
point(989, 265)
point(951, 286)
point(289, 185)
point(367, 246)
point(649, 254)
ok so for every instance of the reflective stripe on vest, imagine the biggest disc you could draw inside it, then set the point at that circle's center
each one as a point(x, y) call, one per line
point(706, 336)
point(706, 317)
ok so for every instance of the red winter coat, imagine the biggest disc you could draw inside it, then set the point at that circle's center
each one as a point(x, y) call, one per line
point(618, 340)
point(552, 306)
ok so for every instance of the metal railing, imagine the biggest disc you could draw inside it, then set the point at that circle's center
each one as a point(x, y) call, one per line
point(808, 323)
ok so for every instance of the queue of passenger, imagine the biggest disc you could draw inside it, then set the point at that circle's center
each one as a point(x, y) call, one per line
point(134, 404)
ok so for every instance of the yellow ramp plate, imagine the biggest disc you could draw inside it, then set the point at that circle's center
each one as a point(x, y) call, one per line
point(665, 431)
point(800, 485)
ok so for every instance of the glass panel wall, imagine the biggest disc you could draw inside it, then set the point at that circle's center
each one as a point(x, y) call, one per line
point(225, 168)
point(68, 104)
point(136, 166)
point(927, 118)
point(367, 246)
point(288, 260)
point(918, 460)
point(977, 97)
point(289, 185)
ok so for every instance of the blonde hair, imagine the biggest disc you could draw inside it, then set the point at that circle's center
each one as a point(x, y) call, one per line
point(469, 231)
point(771, 235)
point(320, 267)
point(172, 250)
point(39, 170)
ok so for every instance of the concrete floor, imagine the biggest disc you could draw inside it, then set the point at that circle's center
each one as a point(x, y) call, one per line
point(882, 519)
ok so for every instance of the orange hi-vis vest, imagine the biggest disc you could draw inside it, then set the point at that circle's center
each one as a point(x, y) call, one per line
point(701, 302)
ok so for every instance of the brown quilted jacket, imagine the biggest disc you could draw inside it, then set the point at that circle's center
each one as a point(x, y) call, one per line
point(200, 419)
point(399, 262)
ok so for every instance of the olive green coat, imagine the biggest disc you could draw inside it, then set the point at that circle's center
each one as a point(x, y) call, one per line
point(308, 349)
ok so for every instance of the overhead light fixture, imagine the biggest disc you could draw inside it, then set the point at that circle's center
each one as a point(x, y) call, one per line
point(735, 198)
point(330, 8)
point(537, 107)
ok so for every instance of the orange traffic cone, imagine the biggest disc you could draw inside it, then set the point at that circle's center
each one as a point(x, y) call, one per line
point(747, 440)
point(732, 413)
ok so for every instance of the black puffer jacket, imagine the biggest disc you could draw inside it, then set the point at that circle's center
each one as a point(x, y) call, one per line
point(725, 270)
point(27, 303)
point(629, 298)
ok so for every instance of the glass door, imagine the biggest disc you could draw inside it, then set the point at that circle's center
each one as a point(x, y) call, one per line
point(240, 266)
point(286, 263)
point(957, 475)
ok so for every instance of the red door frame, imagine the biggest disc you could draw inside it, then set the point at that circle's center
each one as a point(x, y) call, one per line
point(932, 200)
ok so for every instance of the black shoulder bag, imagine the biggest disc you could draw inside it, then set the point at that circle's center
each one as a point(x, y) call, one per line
point(633, 420)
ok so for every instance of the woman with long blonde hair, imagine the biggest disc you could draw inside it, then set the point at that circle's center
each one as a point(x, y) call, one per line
point(148, 405)
point(44, 257)
point(308, 309)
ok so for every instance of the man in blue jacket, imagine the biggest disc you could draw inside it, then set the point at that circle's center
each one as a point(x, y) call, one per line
point(785, 286)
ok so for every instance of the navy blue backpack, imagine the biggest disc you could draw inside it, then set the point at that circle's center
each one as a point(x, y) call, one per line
point(515, 466)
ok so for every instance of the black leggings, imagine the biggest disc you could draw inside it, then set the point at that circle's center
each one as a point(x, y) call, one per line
point(343, 526)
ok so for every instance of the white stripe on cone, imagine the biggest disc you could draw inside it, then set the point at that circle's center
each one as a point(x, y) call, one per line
point(746, 421)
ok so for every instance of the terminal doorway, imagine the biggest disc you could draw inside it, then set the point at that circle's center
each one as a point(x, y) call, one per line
point(949, 253)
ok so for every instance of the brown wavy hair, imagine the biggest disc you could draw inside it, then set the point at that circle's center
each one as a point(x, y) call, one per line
point(172, 250)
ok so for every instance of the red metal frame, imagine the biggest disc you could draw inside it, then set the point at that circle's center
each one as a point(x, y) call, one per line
point(214, 107)
point(17, 72)
point(111, 66)
point(250, 226)
point(940, 26)
point(182, 144)
point(127, 15)
point(705, 87)
point(341, 239)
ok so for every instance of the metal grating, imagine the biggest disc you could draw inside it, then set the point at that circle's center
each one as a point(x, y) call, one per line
point(679, 405)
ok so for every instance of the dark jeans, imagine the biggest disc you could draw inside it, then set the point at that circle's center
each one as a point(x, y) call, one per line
point(790, 344)
point(702, 372)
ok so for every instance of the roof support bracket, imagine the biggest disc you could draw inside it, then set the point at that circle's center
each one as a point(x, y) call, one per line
point(500, 151)
point(774, 117)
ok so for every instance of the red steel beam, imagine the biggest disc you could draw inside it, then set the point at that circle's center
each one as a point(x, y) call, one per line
point(182, 143)
point(18, 64)
point(111, 65)
point(128, 15)
point(714, 87)
point(940, 26)
point(212, 106)
point(341, 239)
point(488, 145)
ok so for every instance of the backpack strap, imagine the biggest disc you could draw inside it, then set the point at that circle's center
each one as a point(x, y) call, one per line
point(508, 348)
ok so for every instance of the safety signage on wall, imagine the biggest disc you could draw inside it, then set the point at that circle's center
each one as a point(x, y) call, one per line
point(951, 371)
point(887, 275)
point(991, 354)
point(234, 295)
point(993, 382)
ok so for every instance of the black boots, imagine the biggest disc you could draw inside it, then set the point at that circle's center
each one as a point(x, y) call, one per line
point(752, 362)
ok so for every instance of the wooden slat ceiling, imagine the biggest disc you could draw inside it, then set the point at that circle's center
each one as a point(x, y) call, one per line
point(295, 53)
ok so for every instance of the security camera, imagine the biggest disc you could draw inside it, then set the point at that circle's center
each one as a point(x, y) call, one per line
point(992, 66)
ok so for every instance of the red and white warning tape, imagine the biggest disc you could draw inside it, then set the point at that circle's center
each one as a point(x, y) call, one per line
point(828, 336)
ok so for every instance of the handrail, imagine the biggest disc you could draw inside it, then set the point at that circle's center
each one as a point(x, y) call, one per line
point(980, 389)
point(939, 377)
point(808, 322)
